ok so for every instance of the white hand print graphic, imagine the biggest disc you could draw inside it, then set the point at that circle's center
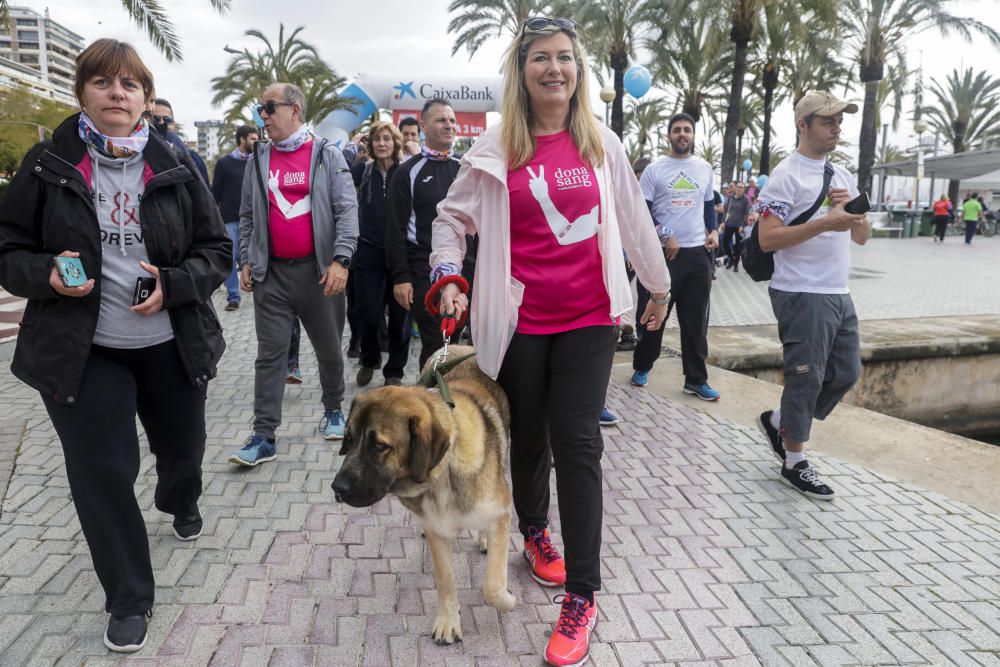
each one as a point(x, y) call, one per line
point(566, 232)
point(287, 209)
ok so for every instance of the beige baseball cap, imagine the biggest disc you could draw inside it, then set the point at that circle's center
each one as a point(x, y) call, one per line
point(822, 103)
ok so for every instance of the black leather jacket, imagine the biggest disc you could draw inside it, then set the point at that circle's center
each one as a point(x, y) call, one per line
point(48, 210)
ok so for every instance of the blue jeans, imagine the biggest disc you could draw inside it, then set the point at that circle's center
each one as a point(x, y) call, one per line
point(233, 281)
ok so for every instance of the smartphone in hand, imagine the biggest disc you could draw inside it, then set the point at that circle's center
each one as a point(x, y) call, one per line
point(71, 271)
point(144, 288)
point(858, 205)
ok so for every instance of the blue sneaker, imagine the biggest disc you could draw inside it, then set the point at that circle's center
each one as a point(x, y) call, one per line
point(332, 425)
point(294, 376)
point(608, 418)
point(702, 391)
point(640, 378)
point(256, 450)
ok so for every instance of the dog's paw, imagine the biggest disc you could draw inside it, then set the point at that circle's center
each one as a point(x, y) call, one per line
point(483, 538)
point(447, 629)
point(502, 601)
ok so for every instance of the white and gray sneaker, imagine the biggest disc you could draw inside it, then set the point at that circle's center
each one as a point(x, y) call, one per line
point(804, 478)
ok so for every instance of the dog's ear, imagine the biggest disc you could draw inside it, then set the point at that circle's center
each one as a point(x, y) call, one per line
point(428, 445)
point(347, 442)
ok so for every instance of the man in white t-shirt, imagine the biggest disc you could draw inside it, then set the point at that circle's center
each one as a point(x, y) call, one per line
point(678, 191)
point(816, 320)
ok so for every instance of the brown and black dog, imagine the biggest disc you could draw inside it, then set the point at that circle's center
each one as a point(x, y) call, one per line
point(445, 465)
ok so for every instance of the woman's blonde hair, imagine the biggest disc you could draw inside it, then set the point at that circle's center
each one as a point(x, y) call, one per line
point(397, 138)
point(515, 133)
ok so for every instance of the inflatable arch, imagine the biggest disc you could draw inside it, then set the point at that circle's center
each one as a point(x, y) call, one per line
point(470, 97)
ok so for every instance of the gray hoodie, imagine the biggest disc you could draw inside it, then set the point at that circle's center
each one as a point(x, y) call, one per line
point(334, 208)
point(116, 188)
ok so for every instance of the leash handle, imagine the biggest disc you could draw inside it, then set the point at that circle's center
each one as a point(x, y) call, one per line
point(449, 325)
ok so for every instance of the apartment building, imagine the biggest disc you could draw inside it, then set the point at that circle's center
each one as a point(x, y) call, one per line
point(41, 44)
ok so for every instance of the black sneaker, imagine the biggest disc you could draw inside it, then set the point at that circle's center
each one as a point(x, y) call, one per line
point(232, 305)
point(188, 527)
point(127, 634)
point(771, 433)
point(364, 375)
point(805, 478)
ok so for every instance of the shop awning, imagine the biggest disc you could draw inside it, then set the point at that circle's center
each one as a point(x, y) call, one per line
point(959, 166)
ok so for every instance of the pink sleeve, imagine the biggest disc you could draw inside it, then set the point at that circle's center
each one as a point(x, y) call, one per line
point(635, 225)
point(455, 218)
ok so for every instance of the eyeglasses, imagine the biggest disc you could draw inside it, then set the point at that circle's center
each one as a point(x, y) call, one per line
point(542, 22)
point(271, 106)
point(161, 120)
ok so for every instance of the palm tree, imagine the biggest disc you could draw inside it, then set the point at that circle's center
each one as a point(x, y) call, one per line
point(785, 35)
point(611, 30)
point(876, 32)
point(151, 17)
point(642, 122)
point(693, 59)
point(967, 111)
point(291, 60)
point(480, 20)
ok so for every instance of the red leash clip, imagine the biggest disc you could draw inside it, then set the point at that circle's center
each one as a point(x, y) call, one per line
point(449, 325)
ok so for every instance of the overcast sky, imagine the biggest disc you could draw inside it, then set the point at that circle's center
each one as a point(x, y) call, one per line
point(390, 37)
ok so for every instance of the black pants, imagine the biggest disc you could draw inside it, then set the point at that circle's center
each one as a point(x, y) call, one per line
point(940, 225)
point(101, 448)
point(731, 242)
point(556, 385)
point(293, 346)
point(353, 310)
point(970, 229)
point(690, 287)
point(373, 294)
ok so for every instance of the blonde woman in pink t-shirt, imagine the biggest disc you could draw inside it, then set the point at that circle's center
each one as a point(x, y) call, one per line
point(552, 197)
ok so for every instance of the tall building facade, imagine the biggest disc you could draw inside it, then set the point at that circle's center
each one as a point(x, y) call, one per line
point(42, 45)
point(208, 137)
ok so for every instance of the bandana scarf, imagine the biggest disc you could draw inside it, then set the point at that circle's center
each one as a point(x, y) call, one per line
point(294, 142)
point(242, 157)
point(432, 154)
point(114, 146)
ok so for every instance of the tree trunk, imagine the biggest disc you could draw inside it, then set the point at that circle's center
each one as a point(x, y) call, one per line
point(770, 83)
point(953, 196)
point(734, 109)
point(619, 62)
point(866, 143)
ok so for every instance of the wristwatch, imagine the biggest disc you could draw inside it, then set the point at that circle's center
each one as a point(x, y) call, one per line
point(343, 261)
point(660, 302)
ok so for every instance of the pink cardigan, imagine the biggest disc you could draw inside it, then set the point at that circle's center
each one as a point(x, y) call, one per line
point(478, 203)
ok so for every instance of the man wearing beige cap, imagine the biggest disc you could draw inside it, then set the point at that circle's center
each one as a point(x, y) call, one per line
point(804, 222)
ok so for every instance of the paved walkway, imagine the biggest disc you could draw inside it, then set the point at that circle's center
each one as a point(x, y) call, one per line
point(890, 279)
point(708, 559)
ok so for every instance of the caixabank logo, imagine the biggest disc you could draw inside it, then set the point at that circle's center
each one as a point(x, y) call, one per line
point(403, 89)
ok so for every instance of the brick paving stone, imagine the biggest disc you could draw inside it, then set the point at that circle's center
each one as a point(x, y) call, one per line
point(707, 560)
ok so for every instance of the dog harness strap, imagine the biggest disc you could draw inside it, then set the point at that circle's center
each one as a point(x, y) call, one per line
point(442, 387)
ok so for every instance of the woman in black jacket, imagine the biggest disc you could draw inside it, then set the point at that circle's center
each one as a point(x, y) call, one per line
point(107, 191)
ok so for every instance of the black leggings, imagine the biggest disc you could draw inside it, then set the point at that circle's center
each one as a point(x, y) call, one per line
point(940, 224)
point(556, 384)
point(101, 448)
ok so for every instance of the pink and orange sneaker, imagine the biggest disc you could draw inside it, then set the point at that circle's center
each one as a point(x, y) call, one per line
point(569, 644)
point(547, 565)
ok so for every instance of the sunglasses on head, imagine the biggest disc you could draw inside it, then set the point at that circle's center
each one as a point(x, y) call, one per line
point(542, 22)
point(271, 106)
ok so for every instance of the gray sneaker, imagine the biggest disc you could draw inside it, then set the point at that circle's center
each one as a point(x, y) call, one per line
point(256, 450)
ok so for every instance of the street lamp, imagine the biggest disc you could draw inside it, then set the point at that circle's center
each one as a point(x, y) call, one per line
point(607, 95)
point(919, 127)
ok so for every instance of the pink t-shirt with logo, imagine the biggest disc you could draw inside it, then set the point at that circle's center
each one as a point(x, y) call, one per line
point(290, 212)
point(554, 214)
